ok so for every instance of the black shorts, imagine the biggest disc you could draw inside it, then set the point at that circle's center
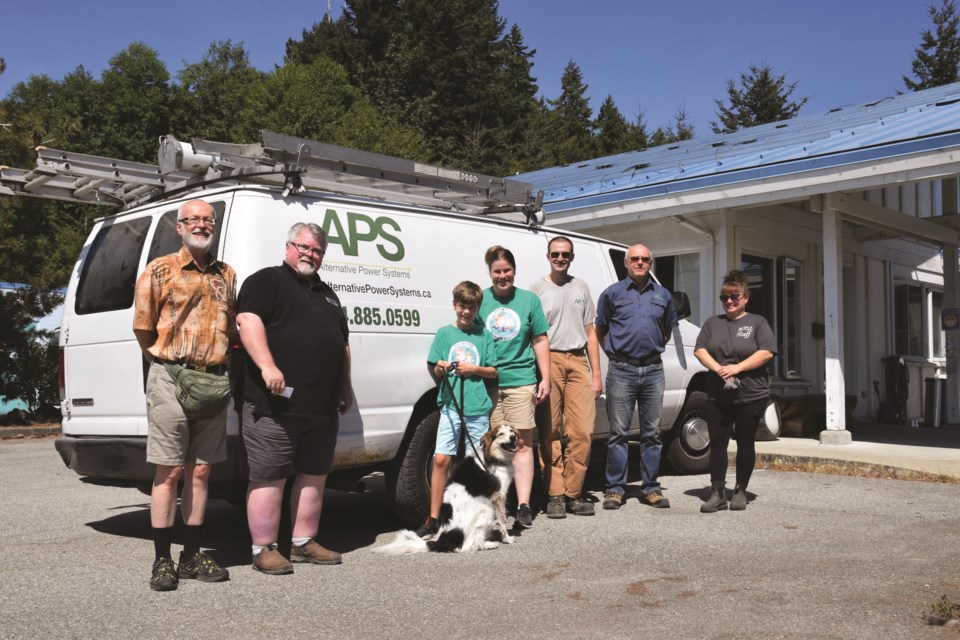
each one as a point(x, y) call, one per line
point(279, 446)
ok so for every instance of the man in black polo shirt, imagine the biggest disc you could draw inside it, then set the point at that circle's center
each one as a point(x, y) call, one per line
point(296, 384)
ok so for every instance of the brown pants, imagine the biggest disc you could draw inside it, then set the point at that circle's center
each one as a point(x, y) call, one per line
point(572, 405)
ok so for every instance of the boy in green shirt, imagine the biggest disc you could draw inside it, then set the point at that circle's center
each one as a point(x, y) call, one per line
point(464, 350)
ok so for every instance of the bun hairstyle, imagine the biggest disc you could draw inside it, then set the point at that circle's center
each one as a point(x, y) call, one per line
point(496, 252)
point(735, 280)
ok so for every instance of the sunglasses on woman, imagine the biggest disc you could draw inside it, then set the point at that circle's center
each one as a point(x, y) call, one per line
point(733, 297)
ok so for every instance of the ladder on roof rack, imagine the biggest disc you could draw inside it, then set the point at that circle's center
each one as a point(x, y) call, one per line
point(294, 164)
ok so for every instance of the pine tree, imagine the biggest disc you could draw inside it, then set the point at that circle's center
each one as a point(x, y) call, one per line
point(570, 125)
point(762, 97)
point(937, 60)
point(613, 130)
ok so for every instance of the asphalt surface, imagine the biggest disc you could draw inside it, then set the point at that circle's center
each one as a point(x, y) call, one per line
point(813, 556)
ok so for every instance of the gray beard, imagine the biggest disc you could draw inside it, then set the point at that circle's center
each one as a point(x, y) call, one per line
point(195, 243)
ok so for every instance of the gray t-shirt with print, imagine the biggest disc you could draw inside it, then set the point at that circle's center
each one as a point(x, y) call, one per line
point(569, 308)
point(733, 341)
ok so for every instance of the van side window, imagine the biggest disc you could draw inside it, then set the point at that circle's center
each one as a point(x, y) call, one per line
point(617, 256)
point(166, 239)
point(110, 269)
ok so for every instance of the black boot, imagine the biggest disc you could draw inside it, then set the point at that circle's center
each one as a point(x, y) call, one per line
point(718, 499)
point(739, 500)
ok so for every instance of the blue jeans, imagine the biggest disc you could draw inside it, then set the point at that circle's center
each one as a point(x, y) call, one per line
point(627, 387)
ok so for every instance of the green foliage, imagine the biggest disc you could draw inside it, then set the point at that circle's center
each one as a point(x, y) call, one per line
point(680, 130)
point(135, 90)
point(444, 69)
point(615, 134)
point(212, 94)
point(762, 97)
point(937, 60)
point(316, 101)
point(28, 356)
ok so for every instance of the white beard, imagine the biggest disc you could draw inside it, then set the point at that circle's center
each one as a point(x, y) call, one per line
point(196, 242)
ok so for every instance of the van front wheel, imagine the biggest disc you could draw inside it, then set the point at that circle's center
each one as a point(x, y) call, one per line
point(411, 486)
point(688, 445)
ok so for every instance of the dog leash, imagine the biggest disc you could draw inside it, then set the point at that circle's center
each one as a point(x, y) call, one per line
point(464, 432)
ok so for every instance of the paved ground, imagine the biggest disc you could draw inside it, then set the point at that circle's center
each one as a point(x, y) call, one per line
point(814, 556)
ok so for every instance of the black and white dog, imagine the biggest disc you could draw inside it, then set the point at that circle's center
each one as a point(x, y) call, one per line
point(473, 515)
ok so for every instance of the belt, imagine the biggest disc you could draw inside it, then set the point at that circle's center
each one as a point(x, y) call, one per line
point(635, 362)
point(216, 369)
point(573, 352)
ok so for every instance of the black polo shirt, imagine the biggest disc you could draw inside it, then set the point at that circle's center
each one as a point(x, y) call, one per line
point(307, 335)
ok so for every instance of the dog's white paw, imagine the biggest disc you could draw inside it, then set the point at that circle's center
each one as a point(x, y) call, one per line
point(508, 539)
point(490, 544)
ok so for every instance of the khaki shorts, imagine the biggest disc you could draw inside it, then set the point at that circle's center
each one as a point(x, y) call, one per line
point(514, 406)
point(173, 439)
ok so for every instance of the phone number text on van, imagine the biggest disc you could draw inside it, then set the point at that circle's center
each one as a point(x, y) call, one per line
point(376, 317)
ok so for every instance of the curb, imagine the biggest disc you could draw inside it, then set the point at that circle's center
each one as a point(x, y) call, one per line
point(836, 466)
point(14, 433)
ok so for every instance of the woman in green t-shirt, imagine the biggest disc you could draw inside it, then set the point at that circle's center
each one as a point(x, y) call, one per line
point(515, 319)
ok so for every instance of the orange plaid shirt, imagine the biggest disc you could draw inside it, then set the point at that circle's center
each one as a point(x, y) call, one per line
point(193, 312)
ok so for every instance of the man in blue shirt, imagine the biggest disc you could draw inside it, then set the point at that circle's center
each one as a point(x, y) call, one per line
point(635, 318)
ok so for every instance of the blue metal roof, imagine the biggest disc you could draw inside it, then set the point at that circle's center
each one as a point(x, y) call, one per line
point(904, 124)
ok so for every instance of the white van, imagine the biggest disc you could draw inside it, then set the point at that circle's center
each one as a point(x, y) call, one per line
point(394, 267)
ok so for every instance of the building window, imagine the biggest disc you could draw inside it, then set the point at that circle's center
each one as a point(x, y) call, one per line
point(916, 321)
point(681, 273)
point(775, 293)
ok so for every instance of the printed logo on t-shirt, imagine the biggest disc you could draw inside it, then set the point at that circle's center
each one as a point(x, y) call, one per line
point(745, 332)
point(464, 351)
point(333, 302)
point(503, 323)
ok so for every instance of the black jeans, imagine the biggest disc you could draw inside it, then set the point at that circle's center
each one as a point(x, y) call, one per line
point(744, 419)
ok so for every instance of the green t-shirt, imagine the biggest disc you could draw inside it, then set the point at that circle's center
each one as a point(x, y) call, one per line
point(514, 322)
point(474, 346)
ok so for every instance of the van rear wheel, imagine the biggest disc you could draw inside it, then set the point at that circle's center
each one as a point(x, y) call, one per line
point(411, 485)
point(688, 447)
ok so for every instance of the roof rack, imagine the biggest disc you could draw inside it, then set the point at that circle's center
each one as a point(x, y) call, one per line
point(294, 164)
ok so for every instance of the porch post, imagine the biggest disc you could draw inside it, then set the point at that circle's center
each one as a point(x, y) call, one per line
point(836, 432)
point(951, 300)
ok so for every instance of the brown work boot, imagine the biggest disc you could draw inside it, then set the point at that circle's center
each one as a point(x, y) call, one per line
point(272, 562)
point(315, 554)
point(656, 499)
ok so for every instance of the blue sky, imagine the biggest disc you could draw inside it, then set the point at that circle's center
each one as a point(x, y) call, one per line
point(651, 56)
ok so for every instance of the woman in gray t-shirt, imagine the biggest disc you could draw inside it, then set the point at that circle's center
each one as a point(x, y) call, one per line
point(736, 346)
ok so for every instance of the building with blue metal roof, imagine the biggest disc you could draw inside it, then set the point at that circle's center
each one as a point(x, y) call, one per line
point(846, 222)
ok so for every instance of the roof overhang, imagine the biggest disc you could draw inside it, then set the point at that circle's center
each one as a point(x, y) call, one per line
point(858, 170)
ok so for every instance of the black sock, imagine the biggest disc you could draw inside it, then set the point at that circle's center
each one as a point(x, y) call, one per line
point(191, 541)
point(162, 539)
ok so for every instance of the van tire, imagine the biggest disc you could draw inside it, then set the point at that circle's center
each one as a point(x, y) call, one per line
point(688, 445)
point(411, 487)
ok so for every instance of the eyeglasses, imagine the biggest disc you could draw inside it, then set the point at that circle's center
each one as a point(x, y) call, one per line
point(194, 221)
point(733, 297)
point(643, 259)
point(566, 255)
point(302, 248)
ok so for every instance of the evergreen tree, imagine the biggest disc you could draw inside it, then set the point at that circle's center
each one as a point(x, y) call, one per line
point(681, 129)
point(570, 123)
point(615, 134)
point(3, 66)
point(937, 60)
point(762, 97)
point(446, 69)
